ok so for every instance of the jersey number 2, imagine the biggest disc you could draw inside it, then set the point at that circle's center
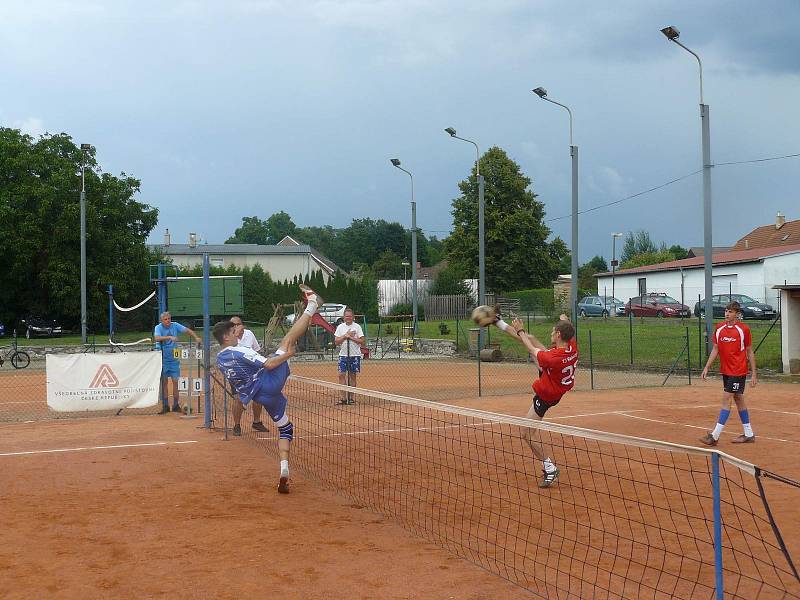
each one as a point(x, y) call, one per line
point(569, 375)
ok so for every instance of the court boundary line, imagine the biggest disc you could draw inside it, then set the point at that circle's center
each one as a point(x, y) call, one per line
point(79, 449)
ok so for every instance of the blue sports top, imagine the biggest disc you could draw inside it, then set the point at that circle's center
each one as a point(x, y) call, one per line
point(166, 347)
point(241, 366)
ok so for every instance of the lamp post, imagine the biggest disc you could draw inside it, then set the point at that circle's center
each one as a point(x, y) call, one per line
point(396, 163)
point(672, 35)
point(573, 151)
point(405, 264)
point(481, 241)
point(84, 149)
point(614, 237)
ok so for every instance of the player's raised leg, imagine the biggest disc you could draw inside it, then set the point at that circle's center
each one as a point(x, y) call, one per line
point(301, 323)
point(534, 440)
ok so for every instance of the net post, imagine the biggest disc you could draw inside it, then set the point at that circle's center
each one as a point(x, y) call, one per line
point(717, 526)
point(591, 362)
point(206, 345)
point(111, 313)
point(688, 357)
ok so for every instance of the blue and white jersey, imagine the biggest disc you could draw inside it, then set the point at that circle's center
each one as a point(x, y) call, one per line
point(241, 366)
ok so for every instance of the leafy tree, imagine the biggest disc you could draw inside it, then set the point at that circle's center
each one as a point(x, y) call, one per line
point(647, 258)
point(388, 265)
point(678, 252)
point(586, 272)
point(637, 242)
point(279, 225)
point(560, 253)
point(517, 252)
point(450, 282)
point(252, 231)
point(40, 231)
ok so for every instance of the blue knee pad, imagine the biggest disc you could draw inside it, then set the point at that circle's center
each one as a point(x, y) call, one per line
point(287, 431)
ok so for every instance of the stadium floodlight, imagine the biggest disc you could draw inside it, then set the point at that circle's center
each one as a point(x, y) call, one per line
point(705, 129)
point(396, 163)
point(451, 131)
point(84, 148)
point(573, 151)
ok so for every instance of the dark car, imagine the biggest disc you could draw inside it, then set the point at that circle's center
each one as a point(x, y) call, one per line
point(38, 327)
point(751, 309)
point(656, 305)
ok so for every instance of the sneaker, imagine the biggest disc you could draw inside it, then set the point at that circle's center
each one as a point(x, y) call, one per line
point(341, 402)
point(350, 401)
point(176, 408)
point(237, 430)
point(709, 440)
point(309, 295)
point(259, 426)
point(548, 479)
point(164, 410)
point(744, 439)
point(283, 484)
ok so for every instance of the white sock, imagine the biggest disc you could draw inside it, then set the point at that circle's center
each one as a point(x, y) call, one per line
point(748, 430)
point(503, 325)
point(549, 466)
point(717, 431)
point(311, 308)
point(279, 351)
point(284, 468)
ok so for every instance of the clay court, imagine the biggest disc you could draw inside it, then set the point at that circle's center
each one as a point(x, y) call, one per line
point(155, 506)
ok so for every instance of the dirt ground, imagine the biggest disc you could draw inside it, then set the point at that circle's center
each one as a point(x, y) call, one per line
point(154, 506)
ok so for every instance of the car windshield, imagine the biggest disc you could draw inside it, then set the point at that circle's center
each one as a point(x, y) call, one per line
point(741, 298)
point(666, 300)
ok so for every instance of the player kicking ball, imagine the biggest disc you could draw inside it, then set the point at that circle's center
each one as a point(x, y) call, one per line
point(261, 379)
point(556, 377)
point(733, 344)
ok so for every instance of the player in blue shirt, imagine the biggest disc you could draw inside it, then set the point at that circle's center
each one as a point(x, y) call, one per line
point(165, 336)
point(261, 379)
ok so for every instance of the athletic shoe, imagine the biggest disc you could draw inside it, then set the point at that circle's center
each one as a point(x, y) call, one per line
point(237, 430)
point(709, 440)
point(259, 426)
point(176, 408)
point(341, 402)
point(744, 439)
point(310, 295)
point(350, 401)
point(549, 478)
point(164, 410)
point(283, 484)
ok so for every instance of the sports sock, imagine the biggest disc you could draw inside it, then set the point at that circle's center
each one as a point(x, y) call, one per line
point(284, 468)
point(549, 466)
point(311, 308)
point(503, 325)
point(744, 415)
point(279, 351)
point(723, 418)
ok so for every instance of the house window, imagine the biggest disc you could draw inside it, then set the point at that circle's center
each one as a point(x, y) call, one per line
point(218, 262)
point(642, 286)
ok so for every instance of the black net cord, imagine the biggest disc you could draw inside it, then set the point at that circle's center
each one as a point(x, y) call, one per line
point(759, 473)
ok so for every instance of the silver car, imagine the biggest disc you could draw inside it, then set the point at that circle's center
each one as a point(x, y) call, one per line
point(332, 313)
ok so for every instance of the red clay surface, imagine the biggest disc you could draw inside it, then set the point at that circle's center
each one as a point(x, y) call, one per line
point(203, 520)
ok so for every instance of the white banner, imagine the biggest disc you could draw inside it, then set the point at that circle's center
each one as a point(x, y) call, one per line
point(79, 382)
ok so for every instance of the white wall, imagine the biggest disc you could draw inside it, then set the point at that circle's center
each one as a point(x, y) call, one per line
point(779, 270)
point(790, 326)
point(398, 291)
point(279, 267)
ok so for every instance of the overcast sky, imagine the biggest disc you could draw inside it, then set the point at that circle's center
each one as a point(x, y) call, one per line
point(249, 107)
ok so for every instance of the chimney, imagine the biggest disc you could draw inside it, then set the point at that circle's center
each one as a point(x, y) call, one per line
point(192, 240)
point(780, 221)
point(747, 244)
point(166, 237)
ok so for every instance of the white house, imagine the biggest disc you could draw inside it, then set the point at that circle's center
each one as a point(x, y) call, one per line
point(753, 272)
point(282, 261)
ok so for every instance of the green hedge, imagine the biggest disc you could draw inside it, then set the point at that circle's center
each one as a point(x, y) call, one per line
point(539, 300)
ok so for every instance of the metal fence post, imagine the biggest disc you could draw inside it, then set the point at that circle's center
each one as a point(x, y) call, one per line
point(717, 526)
point(630, 332)
point(688, 357)
point(591, 361)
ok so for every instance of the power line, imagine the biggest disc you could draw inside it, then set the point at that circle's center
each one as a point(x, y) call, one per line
point(756, 160)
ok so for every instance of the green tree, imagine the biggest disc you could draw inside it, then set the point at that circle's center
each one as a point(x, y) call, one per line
point(279, 225)
point(637, 242)
point(388, 265)
point(586, 273)
point(561, 255)
point(40, 231)
point(647, 258)
point(252, 231)
point(678, 252)
point(450, 282)
point(517, 252)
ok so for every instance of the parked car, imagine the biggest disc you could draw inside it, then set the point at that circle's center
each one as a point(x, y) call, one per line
point(751, 309)
point(598, 306)
point(656, 305)
point(2, 330)
point(332, 313)
point(38, 326)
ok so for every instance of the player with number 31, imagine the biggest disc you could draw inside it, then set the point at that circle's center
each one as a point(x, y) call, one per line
point(556, 377)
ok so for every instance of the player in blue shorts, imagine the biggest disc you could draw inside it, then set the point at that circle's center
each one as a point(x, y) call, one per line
point(261, 379)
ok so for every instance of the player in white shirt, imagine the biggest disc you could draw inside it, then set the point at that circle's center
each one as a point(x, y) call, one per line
point(351, 337)
point(247, 339)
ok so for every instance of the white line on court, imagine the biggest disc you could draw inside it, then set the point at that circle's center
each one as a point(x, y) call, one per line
point(373, 431)
point(94, 448)
point(761, 437)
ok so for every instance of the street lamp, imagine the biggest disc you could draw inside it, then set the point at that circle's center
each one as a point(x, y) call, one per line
point(573, 151)
point(672, 35)
point(481, 241)
point(614, 263)
point(396, 163)
point(84, 149)
point(405, 264)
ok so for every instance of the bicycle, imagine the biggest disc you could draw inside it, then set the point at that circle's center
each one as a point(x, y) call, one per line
point(19, 358)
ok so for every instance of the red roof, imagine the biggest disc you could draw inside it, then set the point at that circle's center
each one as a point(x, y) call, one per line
point(768, 236)
point(721, 258)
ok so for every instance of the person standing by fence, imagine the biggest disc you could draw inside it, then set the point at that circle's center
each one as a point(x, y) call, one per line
point(351, 337)
point(166, 335)
point(247, 339)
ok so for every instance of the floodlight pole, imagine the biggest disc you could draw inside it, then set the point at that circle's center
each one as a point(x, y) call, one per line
point(573, 152)
point(614, 237)
point(672, 35)
point(84, 147)
point(396, 162)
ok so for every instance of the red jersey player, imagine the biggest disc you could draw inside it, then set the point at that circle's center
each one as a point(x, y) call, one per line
point(556, 377)
point(733, 345)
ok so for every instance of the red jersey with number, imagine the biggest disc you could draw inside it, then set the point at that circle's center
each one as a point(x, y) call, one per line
point(732, 342)
point(558, 372)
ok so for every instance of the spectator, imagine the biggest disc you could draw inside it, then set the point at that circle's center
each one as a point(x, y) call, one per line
point(351, 337)
point(166, 335)
point(246, 340)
